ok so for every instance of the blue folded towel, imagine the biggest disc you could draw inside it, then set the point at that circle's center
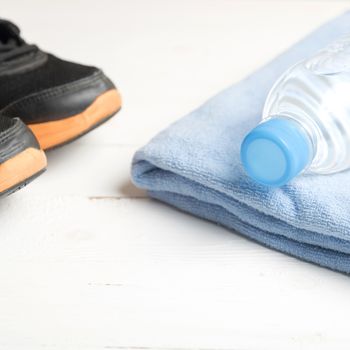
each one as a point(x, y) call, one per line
point(194, 165)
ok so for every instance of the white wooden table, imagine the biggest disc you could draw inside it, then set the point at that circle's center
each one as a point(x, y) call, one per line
point(89, 262)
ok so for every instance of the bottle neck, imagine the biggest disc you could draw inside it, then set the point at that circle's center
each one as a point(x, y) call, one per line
point(307, 128)
point(276, 151)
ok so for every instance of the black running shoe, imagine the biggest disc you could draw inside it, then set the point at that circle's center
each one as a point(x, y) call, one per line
point(21, 159)
point(58, 100)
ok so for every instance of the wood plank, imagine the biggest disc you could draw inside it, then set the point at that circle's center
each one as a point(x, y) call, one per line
point(87, 170)
point(135, 274)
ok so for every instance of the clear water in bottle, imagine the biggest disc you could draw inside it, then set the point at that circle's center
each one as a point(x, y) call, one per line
point(306, 120)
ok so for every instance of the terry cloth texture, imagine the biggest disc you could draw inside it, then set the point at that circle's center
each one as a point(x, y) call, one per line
point(194, 165)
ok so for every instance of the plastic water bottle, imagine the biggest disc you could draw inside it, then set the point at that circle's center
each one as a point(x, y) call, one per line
point(306, 120)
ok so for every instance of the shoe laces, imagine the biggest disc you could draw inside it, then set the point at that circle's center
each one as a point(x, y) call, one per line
point(12, 46)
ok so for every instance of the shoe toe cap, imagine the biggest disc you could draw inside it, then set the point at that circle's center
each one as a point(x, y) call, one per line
point(61, 101)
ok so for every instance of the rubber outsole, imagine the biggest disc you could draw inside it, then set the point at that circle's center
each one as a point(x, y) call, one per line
point(60, 132)
point(22, 184)
point(20, 170)
point(84, 133)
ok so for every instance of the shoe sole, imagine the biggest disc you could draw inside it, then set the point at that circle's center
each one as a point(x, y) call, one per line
point(59, 132)
point(20, 170)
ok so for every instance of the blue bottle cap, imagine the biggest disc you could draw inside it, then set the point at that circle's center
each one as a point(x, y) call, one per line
point(276, 151)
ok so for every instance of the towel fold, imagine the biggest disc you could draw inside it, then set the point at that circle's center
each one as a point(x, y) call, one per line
point(194, 165)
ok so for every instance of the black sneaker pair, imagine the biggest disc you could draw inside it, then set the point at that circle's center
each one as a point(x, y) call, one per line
point(45, 102)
